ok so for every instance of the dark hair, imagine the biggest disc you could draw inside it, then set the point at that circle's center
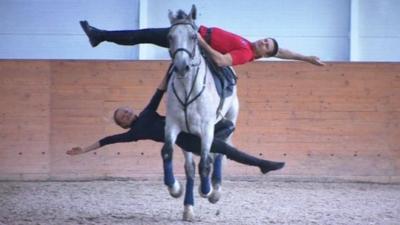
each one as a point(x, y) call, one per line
point(276, 48)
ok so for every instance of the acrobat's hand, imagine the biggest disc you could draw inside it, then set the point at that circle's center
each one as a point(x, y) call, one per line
point(75, 151)
point(315, 60)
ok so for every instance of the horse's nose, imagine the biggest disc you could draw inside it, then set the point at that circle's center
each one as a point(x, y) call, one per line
point(181, 67)
point(187, 68)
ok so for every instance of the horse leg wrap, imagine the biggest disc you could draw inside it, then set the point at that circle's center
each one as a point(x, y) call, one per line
point(190, 175)
point(166, 154)
point(189, 199)
point(204, 171)
point(217, 171)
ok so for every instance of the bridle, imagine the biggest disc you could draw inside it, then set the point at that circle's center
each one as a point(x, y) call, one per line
point(192, 53)
point(187, 101)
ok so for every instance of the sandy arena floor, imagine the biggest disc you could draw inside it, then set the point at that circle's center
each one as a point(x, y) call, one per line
point(243, 202)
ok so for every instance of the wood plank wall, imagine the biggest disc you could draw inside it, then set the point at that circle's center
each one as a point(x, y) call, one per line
point(335, 122)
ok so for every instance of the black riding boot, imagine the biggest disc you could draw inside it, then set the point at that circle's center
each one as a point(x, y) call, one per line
point(233, 154)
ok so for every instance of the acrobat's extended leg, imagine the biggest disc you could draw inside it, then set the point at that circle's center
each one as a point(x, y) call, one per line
point(157, 36)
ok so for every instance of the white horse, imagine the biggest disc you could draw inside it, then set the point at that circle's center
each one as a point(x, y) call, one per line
point(192, 103)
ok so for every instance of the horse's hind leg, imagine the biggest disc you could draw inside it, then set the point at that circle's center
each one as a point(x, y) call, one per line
point(174, 187)
point(216, 177)
point(190, 170)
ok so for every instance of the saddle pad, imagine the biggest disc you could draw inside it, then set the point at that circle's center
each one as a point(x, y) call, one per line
point(224, 79)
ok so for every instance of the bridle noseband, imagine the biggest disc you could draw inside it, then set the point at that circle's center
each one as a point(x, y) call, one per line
point(191, 54)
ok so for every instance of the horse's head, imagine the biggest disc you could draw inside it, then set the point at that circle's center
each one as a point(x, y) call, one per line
point(182, 40)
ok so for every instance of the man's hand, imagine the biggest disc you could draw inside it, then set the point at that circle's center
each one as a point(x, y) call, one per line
point(315, 60)
point(75, 151)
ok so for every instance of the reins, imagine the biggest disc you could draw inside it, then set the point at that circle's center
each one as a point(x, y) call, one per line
point(187, 101)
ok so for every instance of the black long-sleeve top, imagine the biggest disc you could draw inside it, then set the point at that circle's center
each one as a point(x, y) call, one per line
point(150, 126)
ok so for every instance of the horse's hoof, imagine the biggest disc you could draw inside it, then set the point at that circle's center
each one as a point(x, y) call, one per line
point(205, 195)
point(176, 190)
point(188, 213)
point(215, 195)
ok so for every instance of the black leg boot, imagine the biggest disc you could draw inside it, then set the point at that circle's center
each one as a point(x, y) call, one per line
point(267, 166)
point(95, 35)
point(244, 158)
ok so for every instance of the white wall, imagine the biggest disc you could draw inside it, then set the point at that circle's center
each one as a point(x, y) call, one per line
point(335, 30)
point(49, 29)
point(379, 30)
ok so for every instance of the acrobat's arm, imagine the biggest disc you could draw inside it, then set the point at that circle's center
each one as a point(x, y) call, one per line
point(287, 54)
point(118, 138)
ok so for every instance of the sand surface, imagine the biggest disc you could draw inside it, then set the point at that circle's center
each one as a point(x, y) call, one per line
point(243, 202)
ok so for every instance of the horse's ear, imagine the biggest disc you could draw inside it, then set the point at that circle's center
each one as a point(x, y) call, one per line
point(193, 12)
point(170, 16)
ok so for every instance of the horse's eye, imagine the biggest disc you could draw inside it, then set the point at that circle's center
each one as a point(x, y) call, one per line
point(194, 36)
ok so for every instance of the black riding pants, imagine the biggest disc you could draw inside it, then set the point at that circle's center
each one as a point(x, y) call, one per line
point(157, 36)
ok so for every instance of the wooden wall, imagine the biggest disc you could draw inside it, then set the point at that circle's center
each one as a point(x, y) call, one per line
point(335, 122)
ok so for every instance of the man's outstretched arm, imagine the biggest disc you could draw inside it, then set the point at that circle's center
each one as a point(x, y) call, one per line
point(129, 136)
point(287, 54)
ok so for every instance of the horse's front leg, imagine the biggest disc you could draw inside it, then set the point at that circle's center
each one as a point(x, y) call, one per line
point(205, 160)
point(174, 187)
point(190, 170)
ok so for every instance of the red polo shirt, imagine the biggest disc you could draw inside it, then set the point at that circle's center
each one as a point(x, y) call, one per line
point(226, 42)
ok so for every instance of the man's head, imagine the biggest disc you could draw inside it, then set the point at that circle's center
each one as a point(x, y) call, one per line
point(267, 47)
point(124, 117)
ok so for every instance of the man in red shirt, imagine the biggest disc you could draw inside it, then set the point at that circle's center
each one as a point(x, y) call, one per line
point(239, 49)
point(225, 48)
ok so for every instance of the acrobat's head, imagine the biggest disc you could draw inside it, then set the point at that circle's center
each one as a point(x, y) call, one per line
point(267, 47)
point(124, 116)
